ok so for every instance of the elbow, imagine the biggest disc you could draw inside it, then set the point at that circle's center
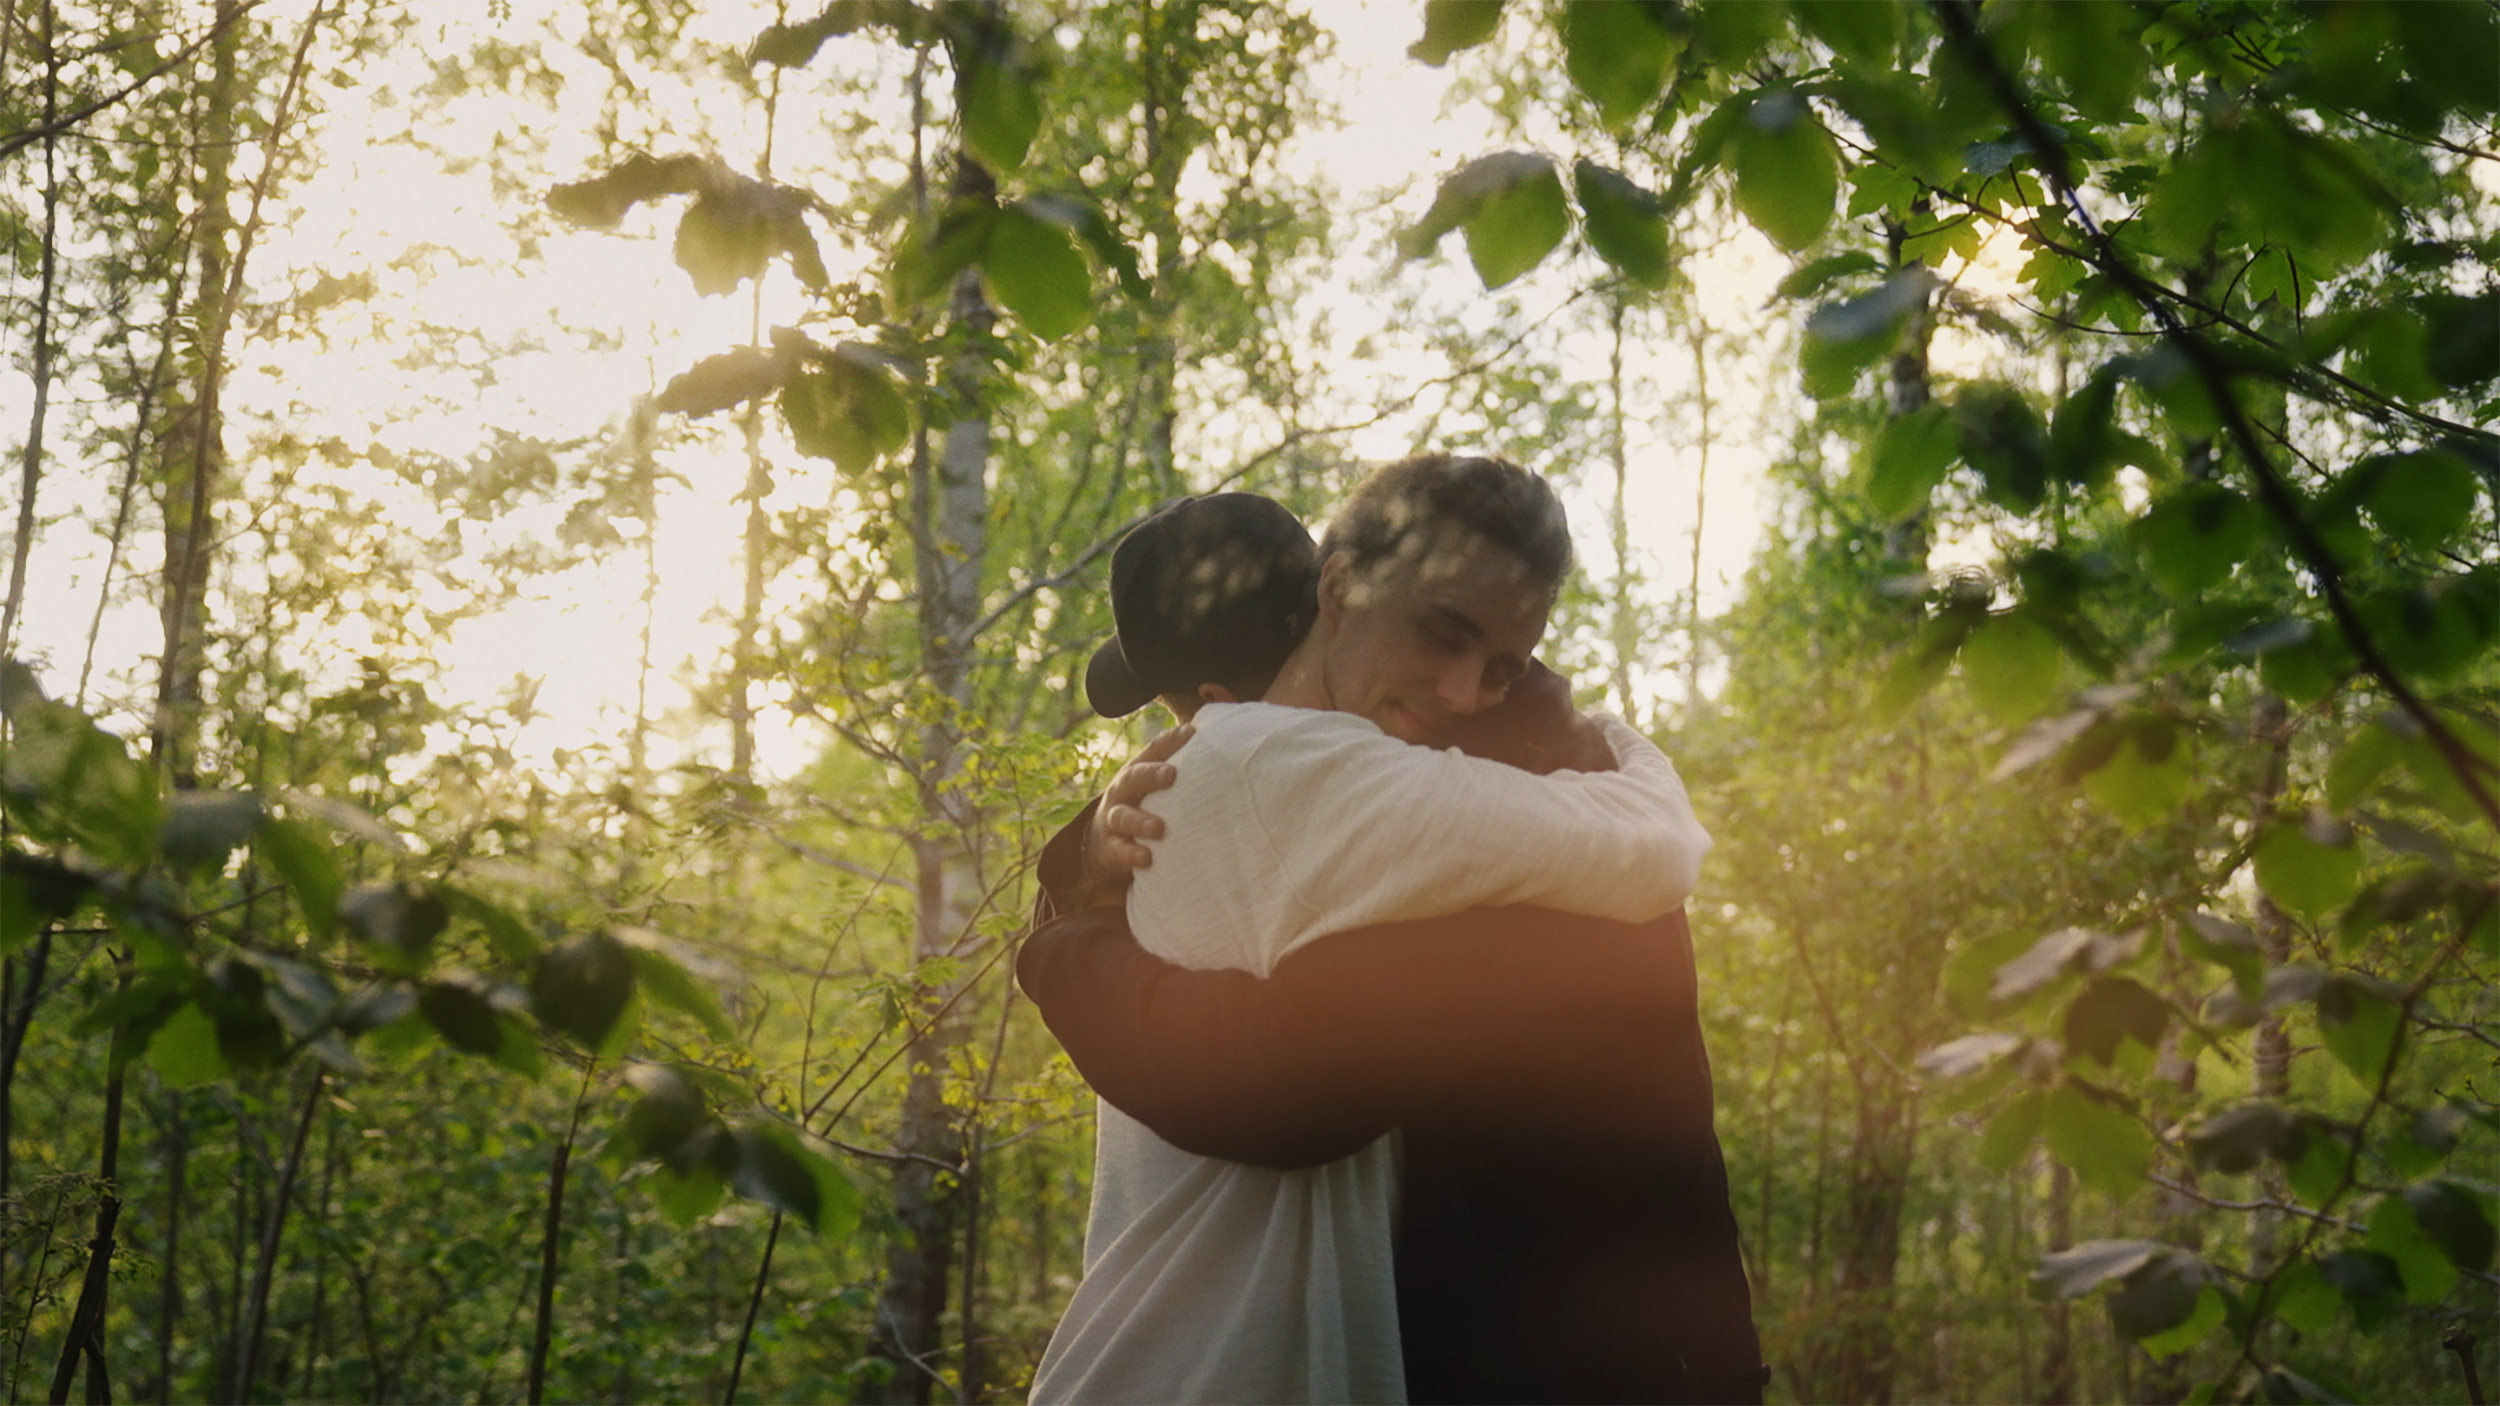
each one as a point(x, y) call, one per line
point(1686, 847)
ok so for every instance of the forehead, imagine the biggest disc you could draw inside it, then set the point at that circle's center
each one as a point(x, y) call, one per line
point(1457, 569)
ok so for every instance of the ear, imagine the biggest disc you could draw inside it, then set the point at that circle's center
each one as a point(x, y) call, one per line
point(1216, 693)
point(1336, 580)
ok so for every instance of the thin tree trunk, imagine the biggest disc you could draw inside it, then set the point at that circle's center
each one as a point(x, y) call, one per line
point(755, 1304)
point(950, 513)
point(551, 1244)
point(1623, 612)
point(86, 1324)
point(197, 455)
point(2270, 722)
point(30, 471)
point(2057, 1373)
point(256, 1314)
point(21, 992)
point(169, 1276)
point(1699, 333)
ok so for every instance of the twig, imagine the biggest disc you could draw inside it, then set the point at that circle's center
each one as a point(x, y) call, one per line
point(25, 137)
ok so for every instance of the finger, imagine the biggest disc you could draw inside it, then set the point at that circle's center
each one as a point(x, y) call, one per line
point(1131, 823)
point(1138, 780)
point(1162, 748)
point(1125, 856)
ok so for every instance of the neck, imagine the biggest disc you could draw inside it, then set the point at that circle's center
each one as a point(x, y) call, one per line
point(1303, 681)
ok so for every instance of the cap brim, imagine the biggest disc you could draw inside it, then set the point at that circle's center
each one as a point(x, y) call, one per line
point(1112, 688)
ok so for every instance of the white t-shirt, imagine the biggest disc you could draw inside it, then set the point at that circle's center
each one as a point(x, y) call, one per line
point(1208, 1280)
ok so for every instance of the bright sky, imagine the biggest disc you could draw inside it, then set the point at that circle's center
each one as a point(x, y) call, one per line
point(571, 338)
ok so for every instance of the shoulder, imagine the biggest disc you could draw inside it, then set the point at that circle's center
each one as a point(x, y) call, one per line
point(1246, 728)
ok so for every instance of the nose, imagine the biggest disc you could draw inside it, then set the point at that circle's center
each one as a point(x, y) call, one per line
point(1461, 686)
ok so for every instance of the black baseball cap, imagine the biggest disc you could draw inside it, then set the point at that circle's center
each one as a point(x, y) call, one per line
point(1216, 589)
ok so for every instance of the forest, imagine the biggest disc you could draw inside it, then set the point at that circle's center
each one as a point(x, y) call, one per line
point(553, 550)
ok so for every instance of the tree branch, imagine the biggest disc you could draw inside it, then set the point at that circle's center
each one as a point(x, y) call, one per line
point(25, 137)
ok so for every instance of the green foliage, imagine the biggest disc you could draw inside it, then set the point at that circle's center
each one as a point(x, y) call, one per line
point(1453, 25)
point(1787, 170)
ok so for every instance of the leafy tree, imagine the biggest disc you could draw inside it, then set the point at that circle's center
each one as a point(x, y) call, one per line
point(2241, 591)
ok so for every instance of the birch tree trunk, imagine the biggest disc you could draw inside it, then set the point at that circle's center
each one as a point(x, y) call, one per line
point(950, 516)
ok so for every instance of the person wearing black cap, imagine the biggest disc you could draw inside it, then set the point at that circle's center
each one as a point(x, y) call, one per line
point(1211, 595)
point(1320, 1100)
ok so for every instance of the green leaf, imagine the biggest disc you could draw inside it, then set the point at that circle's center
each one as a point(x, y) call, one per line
point(2044, 961)
point(507, 936)
point(2204, 1315)
point(1787, 170)
point(516, 1052)
point(2326, 1155)
point(2365, 756)
point(1846, 337)
point(184, 1050)
point(2426, 1139)
point(2428, 1273)
point(2014, 667)
point(2083, 443)
point(776, 1169)
point(2453, 46)
point(2227, 945)
point(724, 238)
point(200, 828)
point(2302, 1298)
point(374, 1008)
point(688, 1197)
point(721, 382)
point(2001, 436)
point(1923, 663)
point(1869, 34)
point(462, 1015)
point(2072, 1273)
point(2360, 1027)
point(670, 1111)
point(1728, 36)
point(236, 999)
point(581, 986)
point(2111, 1009)
point(663, 980)
point(1519, 222)
point(2149, 777)
point(1452, 25)
point(1910, 456)
point(847, 409)
point(2009, 1133)
point(1623, 222)
point(138, 1010)
point(2107, 1148)
point(2370, 1282)
point(1002, 105)
point(2457, 1219)
point(2164, 1297)
point(397, 924)
point(306, 866)
point(1958, 1059)
point(2096, 50)
point(2425, 498)
point(1815, 275)
point(1618, 52)
point(926, 263)
point(1036, 271)
point(2235, 1140)
point(2305, 876)
point(35, 890)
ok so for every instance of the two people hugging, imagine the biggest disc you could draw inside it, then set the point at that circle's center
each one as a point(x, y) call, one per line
point(1394, 1021)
